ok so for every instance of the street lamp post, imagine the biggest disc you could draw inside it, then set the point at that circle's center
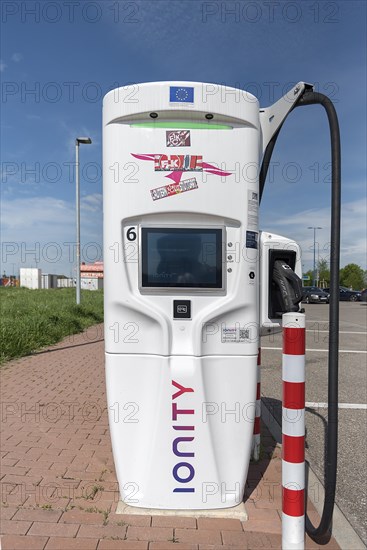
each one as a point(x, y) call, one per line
point(314, 253)
point(85, 140)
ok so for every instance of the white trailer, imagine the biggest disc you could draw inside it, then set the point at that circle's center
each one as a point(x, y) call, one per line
point(30, 277)
point(91, 283)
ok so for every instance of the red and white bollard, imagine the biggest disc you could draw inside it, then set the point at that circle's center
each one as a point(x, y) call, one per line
point(293, 431)
point(256, 435)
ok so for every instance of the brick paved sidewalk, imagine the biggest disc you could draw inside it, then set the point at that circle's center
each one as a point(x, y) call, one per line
point(58, 484)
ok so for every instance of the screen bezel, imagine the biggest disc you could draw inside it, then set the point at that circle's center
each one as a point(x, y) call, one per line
point(147, 287)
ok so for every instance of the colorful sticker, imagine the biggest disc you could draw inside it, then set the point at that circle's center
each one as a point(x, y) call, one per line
point(173, 189)
point(182, 163)
point(178, 138)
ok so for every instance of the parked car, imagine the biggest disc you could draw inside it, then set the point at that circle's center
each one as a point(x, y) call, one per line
point(347, 295)
point(364, 295)
point(314, 295)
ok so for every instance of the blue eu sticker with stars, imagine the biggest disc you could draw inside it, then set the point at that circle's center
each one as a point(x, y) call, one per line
point(181, 94)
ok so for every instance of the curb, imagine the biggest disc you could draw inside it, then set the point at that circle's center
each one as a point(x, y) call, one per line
point(236, 512)
point(342, 530)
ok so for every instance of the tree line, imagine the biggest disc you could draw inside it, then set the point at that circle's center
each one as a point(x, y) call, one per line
point(351, 276)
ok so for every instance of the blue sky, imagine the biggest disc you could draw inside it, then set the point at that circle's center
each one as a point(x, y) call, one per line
point(58, 59)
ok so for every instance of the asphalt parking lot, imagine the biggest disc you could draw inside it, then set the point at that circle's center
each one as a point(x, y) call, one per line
point(352, 452)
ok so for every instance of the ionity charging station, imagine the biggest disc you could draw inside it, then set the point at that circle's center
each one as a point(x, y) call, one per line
point(190, 285)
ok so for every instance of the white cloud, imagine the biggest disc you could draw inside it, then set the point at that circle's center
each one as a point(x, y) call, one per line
point(38, 218)
point(16, 57)
point(91, 203)
point(47, 225)
point(353, 232)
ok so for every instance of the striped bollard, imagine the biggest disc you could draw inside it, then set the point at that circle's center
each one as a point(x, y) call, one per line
point(293, 431)
point(256, 435)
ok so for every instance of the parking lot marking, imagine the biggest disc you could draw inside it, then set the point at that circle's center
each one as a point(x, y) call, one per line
point(340, 331)
point(326, 324)
point(313, 405)
point(324, 350)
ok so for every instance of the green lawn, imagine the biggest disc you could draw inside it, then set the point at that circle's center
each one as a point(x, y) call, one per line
point(32, 319)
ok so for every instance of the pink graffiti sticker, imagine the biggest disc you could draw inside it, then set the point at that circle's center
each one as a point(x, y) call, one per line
point(173, 162)
point(173, 189)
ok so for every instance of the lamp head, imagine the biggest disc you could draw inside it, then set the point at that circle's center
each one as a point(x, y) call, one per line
point(83, 140)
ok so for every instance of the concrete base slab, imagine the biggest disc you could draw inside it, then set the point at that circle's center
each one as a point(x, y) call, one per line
point(236, 512)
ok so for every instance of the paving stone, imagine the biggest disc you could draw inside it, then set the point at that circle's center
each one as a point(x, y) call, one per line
point(269, 502)
point(15, 451)
point(68, 454)
point(35, 453)
point(8, 462)
point(82, 517)
point(34, 463)
point(150, 533)
point(220, 524)
point(7, 512)
point(53, 471)
point(14, 542)
point(71, 474)
point(201, 536)
point(173, 546)
point(20, 480)
point(130, 519)
point(53, 529)
point(49, 516)
point(255, 513)
point(15, 498)
point(63, 543)
point(265, 525)
point(249, 540)
point(14, 470)
point(102, 531)
point(174, 521)
point(107, 544)
point(11, 527)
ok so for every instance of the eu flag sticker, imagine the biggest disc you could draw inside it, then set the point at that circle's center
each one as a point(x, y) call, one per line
point(181, 94)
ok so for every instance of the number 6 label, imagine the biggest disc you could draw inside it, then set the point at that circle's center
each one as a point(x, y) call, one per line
point(131, 234)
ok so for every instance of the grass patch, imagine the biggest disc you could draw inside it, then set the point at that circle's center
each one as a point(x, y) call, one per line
point(33, 319)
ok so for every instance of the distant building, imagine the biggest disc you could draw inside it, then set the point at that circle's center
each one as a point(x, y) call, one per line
point(91, 276)
point(9, 281)
point(66, 282)
point(48, 280)
point(30, 277)
point(93, 271)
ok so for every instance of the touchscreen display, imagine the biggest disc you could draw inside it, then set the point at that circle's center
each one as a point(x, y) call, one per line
point(181, 258)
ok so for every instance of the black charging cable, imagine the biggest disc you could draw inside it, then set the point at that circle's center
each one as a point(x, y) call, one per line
point(322, 533)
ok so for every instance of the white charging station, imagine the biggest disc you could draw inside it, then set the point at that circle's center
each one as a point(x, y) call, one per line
point(183, 263)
